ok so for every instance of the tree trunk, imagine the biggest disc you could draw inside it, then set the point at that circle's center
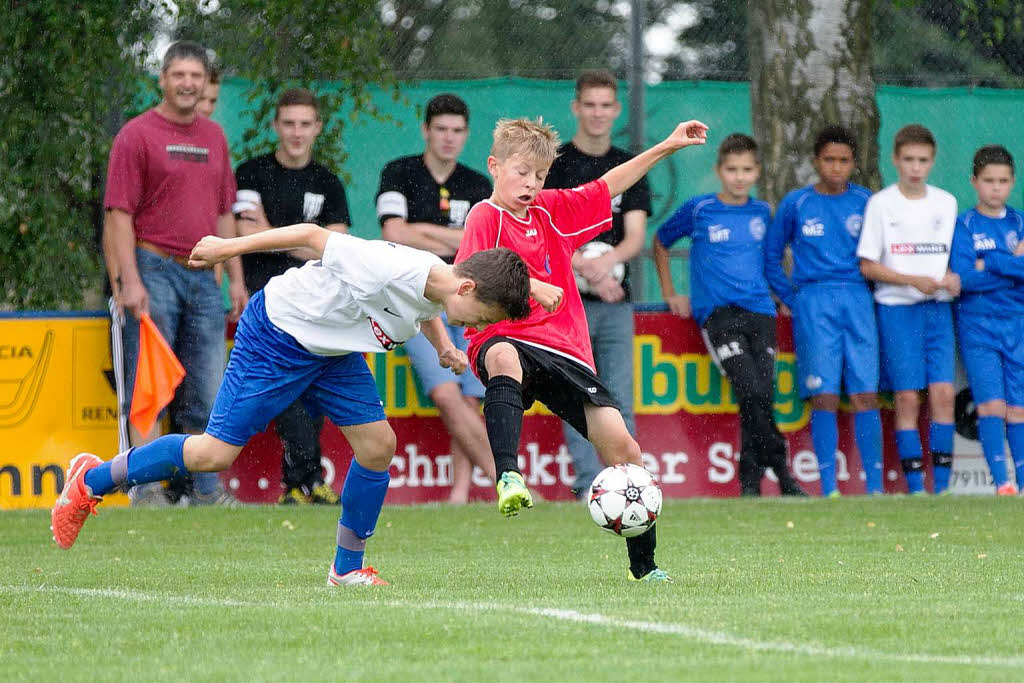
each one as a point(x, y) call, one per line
point(810, 66)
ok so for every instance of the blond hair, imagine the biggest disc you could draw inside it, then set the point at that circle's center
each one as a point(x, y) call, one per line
point(534, 140)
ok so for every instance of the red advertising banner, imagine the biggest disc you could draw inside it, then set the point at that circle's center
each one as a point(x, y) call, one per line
point(686, 419)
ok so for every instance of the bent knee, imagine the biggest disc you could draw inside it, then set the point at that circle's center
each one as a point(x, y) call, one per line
point(379, 454)
point(620, 450)
point(205, 453)
point(503, 359)
point(993, 408)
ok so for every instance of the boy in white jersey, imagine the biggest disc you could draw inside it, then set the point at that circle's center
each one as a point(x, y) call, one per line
point(303, 337)
point(904, 247)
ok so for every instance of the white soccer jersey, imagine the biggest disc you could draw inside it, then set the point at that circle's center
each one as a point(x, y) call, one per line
point(362, 296)
point(910, 236)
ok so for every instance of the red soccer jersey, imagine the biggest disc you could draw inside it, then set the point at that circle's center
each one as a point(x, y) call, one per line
point(557, 223)
point(175, 180)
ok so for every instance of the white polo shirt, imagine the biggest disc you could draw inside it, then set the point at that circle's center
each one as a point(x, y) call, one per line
point(910, 236)
point(362, 296)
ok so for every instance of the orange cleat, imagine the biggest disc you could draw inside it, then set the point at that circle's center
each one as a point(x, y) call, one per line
point(1007, 489)
point(75, 502)
point(367, 576)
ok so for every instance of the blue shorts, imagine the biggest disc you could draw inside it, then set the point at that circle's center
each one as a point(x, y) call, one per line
point(268, 370)
point(917, 344)
point(429, 372)
point(836, 339)
point(992, 350)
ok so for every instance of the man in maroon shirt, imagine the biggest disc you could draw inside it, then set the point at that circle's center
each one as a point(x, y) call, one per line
point(169, 184)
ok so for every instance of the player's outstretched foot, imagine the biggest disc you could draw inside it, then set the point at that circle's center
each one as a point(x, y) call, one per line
point(653, 576)
point(75, 502)
point(513, 494)
point(367, 576)
point(322, 494)
point(1007, 489)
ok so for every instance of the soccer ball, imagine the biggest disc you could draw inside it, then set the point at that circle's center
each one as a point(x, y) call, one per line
point(625, 500)
point(593, 250)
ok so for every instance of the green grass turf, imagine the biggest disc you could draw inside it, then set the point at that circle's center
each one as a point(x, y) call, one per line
point(854, 589)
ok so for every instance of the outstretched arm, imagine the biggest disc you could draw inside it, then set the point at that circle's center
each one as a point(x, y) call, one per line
point(626, 174)
point(212, 250)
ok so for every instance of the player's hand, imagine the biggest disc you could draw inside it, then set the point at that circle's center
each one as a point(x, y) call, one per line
point(979, 265)
point(1019, 251)
point(133, 298)
point(688, 133)
point(239, 297)
point(609, 290)
point(549, 296)
point(679, 304)
point(925, 284)
point(951, 283)
point(784, 310)
point(208, 252)
point(455, 359)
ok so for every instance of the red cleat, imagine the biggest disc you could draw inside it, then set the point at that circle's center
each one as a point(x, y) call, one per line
point(1007, 489)
point(75, 502)
point(367, 576)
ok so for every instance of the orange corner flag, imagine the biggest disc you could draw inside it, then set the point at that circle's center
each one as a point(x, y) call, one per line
point(157, 374)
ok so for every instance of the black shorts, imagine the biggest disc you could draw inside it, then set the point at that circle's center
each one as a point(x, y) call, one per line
point(563, 385)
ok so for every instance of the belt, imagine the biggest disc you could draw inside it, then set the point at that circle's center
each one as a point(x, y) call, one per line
point(153, 249)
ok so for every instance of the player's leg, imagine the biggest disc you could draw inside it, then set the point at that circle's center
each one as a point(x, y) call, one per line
point(860, 368)
point(301, 472)
point(939, 350)
point(901, 337)
point(982, 357)
point(501, 369)
point(1013, 373)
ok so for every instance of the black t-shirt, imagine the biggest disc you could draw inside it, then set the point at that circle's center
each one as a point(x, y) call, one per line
point(408, 190)
point(573, 168)
point(305, 195)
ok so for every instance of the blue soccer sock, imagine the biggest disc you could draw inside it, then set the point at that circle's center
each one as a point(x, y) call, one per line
point(940, 442)
point(156, 461)
point(825, 437)
point(362, 498)
point(991, 432)
point(1015, 435)
point(867, 429)
point(908, 445)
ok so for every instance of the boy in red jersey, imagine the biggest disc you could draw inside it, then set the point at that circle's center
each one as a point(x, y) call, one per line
point(547, 356)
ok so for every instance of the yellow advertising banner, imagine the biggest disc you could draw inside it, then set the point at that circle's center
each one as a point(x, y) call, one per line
point(57, 399)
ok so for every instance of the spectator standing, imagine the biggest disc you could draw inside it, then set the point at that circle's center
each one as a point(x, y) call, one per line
point(588, 156)
point(291, 188)
point(169, 183)
point(423, 202)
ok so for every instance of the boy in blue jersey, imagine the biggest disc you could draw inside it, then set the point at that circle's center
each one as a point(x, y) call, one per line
point(833, 314)
point(732, 303)
point(904, 247)
point(990, 311)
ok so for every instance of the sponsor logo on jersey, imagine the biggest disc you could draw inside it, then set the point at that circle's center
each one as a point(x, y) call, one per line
point(757, 228)
point(188, 153)
point(387, 342)
point(312, 205)
point(905, 248)
point(983, 242)
point(532, 232)
point(728, 350)
point(854, 223)
point(813, 227)
point(718, 233)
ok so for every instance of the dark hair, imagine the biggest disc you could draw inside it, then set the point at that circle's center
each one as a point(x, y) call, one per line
point(214, 75)
point(501, 279)
point(914, 134)
point(446, 103)
point(835, 134)
point(294, 98)
point(596, 78)
point(737, 143)
point(186, 49)
point(992, 155)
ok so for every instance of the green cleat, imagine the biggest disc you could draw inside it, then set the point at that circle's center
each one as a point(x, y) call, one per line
point(653, 576)
point(513, 494)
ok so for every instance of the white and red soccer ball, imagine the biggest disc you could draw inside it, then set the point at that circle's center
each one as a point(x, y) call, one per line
point(625, 500)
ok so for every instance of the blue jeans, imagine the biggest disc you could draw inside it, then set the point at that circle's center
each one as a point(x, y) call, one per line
point(611, 334)
point(187, 307)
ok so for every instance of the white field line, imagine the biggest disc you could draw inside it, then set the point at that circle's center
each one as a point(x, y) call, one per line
point(685, 631)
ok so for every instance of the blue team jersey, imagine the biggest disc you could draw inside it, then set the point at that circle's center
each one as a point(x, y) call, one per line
point(998, 290)
point(726, 258)
point(823, 231)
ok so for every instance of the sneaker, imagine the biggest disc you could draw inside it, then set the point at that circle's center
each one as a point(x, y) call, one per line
point(367, 576)
point(322, 494)
point(834, 494)
point(294, 496)
point(149, 495)
point(219, 498)
point(513, 494)
point(789, 487)
point(75, 503)
point(1007, 489)
point(653, 576)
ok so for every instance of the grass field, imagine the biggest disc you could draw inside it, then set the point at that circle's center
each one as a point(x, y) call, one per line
point(852, 589)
